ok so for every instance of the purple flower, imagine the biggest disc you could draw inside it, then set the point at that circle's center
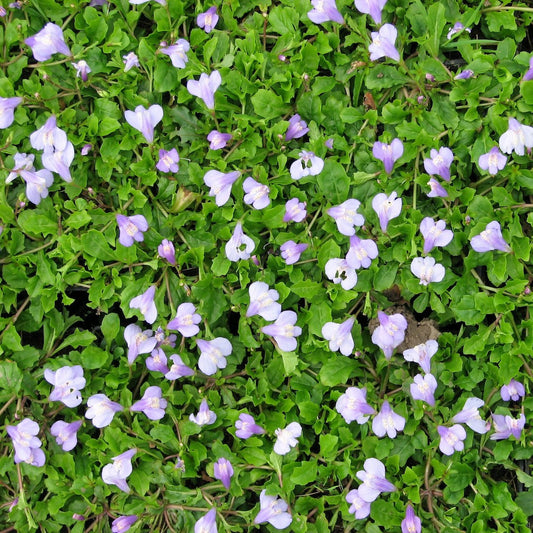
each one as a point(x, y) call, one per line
point(117, 472)
point(470, 416)
point(157, 362)
point(178, 369)
point(528, 76)
point(439, 162)
point(130, 60)
point(324, 11)
point(308, 165)
point(427, 270)
point(388, 153)
point(47, 42)
point(246, 427)
point(361, 252)
point(60, 161)
point(339, 271)
point(390, 333)
point(451, 439)
point(297, 128)
point(145, 120)
point(358, 507)
point(205, 87)
point(424, 388)
point(263, 301)
point(457, 28)
point(411, 523)
point(186, 320)
point(82, 69)
point(374, 481)
point(287, 438)
point(464, 75)
point(163, 340)
point(513, 391)
point(123, 523)
point(422, 354)
point(205, 415)
point(434, 233)
point(207, 524)
point(505, 426)
point(256, 193)
point(492, 161)
point(168, 161)
point(291, 251)
point(516, 138)
point(295, 211)
point(101, 410)
point(213, 354)
point(138, 341)
point(208, 20)
point(26, 443)
point(49, 137)
point(152, 404)
point(383, 43)
point(346, 216)
point(177, 52)
point(7, 110)
point(371, 7)
point(387, 422)
point(67, 382)
point(387, 208)
point(223, 472)
point(240, 246)
point(146, 305)
point(131, 229)
point(437, 190)
point(352, 405)
point(489, 239)
point(218, 140)
point(339, 336)
point(166, 251)
point(284, 331)
point(220, 184)
point(274, 511)
point(66, 434)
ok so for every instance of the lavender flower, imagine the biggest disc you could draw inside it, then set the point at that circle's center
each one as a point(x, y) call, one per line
point(505, 426)
point(388, 153)
point(390, 333)
point(489, 239)
point(422, 354)
point(177, 52)
point(168, 160)
point(47, 42)
point(22, 162)
point(284, 331)
point(383, 43)
point(164, 340)
point(131, 229)
point(208, 20)
point(324, 11)
point(427, 270)
point(152, 404)
point(339, 336)
point(66, 434)
point(263, 301)
point(513, 391)
point(49, 137)
point(213, 354)
point(295, 211)
point(297, 128)
point(374, 481)
point(358, 507)
point(157, 362)
point(223, 471)
point(339, 271)
point(130, 60)
point(451, 439)
point(437, 190)
point(274, 511)
point(145, 120)
point(123, 523)
point(424, 388)
point(470, 416)
point(291, 251)
point(240, 246)
point(361, 252)
point(352, 405)
point(308, 165)
point(464, 75)
point(117, 472)
point(246, 427)
point(206, 87)
point(439, 163)
point(218, 140)
point(138, 341)
point(220, 184)
point(387, 208)
point(146, 305)
point(7, 111)
point(256, 193)
point(67, 382)
point(528, 76)
point(457, 28)
point(387, 422)
point(346, 216)
point(60, 161)
point(82, 69)
point(101, 410)
point(411, 523)
point(186, 320)
point(166, 251)
point(517, 137)
point(492, 161)
point(26, 443)
point(434, 233)
point(371, 7)
point(205, 415)
point(207, 524)
point(178, 369)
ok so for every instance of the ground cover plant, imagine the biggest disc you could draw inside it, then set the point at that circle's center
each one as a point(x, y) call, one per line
point(266, 265)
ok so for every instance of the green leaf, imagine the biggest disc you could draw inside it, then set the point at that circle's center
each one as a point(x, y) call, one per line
point(305, 473)
point(11, 339)
point(110, 327)
point(333, 182)
point(525, 501)
point(93, 357)
point(10, 379)
point(337, 369)
point(34, 222)
point(77, 339)
point(290, 361)
point(268, 105)
point(385, 276)
point(461, 475)
point(95, 245)
point(385, 77)
point(436, 23)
